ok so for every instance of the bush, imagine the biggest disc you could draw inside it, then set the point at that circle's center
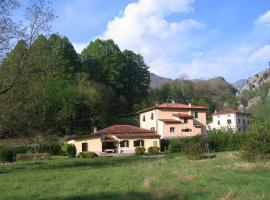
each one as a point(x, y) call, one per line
point(177, 145)
point(87, 154)
point(195, 148)
point(153, 150)
point(6, 154)
point(139, 150)
point(31, 156)
point(71, 150)
point(53, 149)
point(257, 147)
point(226, 140)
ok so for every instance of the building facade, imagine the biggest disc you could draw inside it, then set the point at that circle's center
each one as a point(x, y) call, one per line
point(230, 119)
point(171, 120)
point(116, 139)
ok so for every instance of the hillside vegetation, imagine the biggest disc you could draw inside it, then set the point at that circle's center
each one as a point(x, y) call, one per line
point(255, 97)
point(214, 93)
point(61, 92)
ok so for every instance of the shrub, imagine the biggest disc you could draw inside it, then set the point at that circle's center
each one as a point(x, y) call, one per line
point(6, 154)
point(139, 150)
point(177, 145)
point(87, 154)
point(226, 140)
point(53, 149)
point(257, 147)
point(71, 150)
point(31, 156)
point(195, 148)
point(153, 150)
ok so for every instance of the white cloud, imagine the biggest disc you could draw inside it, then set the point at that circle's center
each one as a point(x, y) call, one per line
point(172, 48)
point(264, 19)
point(262, 53)
point(79, 46)
point(144, 28)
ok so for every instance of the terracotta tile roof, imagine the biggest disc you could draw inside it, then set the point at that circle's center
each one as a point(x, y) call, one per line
point(230, 111)
point(169, 121)
point(183, 115)
point(124, 131)
point(174, 106)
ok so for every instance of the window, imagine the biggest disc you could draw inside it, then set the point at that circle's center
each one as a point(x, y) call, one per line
point(138, 143)
point(244, 121)
point(239, 121)
point(152, 128)
point(143, 118)
point(239, 129)
point(84, 146)
point(172, 129)
point(229, 121)
point(186, 130)
point(248, 121)
point(152, 116)
point(185, 120)
point(155, 143)
point(124, 143)
point(218, 122)
point(196, 115)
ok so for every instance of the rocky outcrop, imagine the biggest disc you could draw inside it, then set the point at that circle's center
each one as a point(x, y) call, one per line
point(258, 80)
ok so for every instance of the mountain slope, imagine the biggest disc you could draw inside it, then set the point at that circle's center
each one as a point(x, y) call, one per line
point(158, 80)
point(239, 85)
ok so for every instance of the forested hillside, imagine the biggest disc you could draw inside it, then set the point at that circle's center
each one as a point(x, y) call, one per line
point(214, 93)
point(61, 92)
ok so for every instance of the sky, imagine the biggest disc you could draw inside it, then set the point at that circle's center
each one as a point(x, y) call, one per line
point(199, 38)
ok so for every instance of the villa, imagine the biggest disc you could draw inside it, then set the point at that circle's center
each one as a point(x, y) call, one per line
point(172, 120)
point(230, 119)
point(117, 139)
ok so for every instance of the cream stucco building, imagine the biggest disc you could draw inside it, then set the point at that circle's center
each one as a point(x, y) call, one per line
point(171, 120)
point(230, 119)
point(116, 139)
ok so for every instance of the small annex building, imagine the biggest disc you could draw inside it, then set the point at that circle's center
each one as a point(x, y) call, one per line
point(116, 139)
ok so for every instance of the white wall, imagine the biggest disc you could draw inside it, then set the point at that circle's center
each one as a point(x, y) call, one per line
point(235, 125)
point(223, 119)
point(148, 123)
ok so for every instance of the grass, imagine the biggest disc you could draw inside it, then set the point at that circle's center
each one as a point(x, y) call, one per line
point(225, 177)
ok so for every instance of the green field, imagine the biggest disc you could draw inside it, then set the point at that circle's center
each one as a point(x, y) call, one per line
point(225, 177)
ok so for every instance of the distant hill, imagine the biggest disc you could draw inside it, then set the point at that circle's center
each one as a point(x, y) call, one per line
point(239, 85)
point(217, 89)
point(158, 80)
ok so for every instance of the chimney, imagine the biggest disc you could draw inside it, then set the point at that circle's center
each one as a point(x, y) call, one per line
point(216, 111)
point(95, 129)
point(189, 105)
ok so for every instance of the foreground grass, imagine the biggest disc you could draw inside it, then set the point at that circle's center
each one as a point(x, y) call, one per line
point(225, 177)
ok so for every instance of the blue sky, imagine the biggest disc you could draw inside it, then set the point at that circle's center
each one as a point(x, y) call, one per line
point(200, 38)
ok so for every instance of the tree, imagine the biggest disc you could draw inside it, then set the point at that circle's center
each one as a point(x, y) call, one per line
point(38, 16)
point(9, 29)
point(125, 72)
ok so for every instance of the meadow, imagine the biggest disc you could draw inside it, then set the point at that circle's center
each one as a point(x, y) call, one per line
point(225, 177)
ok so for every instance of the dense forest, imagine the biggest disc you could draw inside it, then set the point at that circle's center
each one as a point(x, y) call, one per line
point(62, 92)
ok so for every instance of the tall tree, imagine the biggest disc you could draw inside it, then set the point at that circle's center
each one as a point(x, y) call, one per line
point(38, 16)
point(124, 71)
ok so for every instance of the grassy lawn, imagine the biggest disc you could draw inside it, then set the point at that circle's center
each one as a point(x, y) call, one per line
point(225, 177)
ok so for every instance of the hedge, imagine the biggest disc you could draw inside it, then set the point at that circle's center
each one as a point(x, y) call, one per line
point(53, 149)
point(31, 156)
